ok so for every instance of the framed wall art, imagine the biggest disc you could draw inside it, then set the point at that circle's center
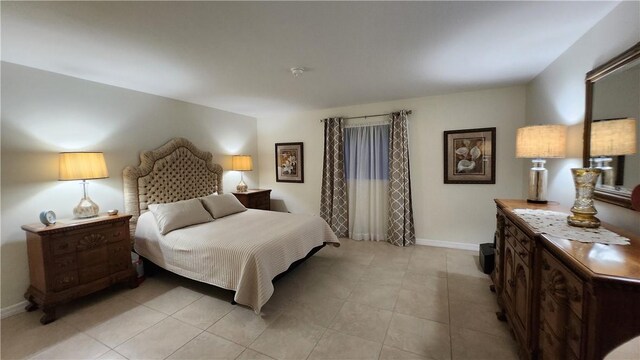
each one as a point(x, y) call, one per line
point(469, 156)
point(289, 162)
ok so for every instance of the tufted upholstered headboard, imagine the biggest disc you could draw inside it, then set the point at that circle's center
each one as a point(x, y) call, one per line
point(175, 171)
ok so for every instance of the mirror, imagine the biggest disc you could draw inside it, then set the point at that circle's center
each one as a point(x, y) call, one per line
point(612, 126)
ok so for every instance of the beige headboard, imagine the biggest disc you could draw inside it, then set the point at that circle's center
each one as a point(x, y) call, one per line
point(175, 171)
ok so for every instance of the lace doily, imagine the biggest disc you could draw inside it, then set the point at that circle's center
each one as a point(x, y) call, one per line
point(555, 224)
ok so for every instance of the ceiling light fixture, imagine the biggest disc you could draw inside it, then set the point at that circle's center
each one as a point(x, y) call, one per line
point(297, 71)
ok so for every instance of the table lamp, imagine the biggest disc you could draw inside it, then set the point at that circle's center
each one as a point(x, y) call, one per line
point(241, 163)
point(538, 142)
point(83, 166)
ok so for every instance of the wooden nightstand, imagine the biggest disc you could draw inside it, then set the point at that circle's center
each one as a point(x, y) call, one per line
point(255, 199)
point(76, 257)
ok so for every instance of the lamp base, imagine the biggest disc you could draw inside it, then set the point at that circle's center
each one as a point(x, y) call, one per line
point(537, 201)
point(86, 208)
point(537, 183)
point(242, 187)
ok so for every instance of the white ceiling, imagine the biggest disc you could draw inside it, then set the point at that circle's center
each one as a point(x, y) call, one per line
point(236, 56)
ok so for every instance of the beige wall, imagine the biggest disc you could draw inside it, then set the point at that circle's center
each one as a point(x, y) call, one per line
point(44, 113)
point(557, 96)
point(445, 212)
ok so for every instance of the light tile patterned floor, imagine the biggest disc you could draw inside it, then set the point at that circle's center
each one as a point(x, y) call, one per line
point(360, 301)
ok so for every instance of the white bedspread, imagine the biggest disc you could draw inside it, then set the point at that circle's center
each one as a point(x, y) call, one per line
point(241, 252)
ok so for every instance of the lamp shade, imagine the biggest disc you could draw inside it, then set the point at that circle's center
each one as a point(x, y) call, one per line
point(82, 166)
point(613, 137)
point(541, 141)
point(241, 163)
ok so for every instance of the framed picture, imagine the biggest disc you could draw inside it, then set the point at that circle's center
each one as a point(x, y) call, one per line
point(289, 162)
point(469, 156)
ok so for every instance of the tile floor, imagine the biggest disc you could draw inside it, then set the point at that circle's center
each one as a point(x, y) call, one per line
point(360, 301)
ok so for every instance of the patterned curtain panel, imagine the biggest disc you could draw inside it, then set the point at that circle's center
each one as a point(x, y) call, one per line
point(400, 231)
point(333, 200)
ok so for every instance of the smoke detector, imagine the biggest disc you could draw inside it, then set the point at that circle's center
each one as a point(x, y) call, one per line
point(297, 71)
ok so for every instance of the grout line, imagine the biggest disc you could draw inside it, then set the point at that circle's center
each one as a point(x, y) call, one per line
point(317, 342)
point(188, 341)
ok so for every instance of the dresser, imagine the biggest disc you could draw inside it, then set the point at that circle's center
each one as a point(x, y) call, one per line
point(74, 258)
point(564, 299)
point(255, 199)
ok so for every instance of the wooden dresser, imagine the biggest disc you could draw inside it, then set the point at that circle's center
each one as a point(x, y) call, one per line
point(255, 199)
point(564, 299)
point(74, 258)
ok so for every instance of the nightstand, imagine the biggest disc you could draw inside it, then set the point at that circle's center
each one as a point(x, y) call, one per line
point(76, 257)
point(255, 199)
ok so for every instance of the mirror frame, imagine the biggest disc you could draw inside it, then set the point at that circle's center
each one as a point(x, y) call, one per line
point(631, 54)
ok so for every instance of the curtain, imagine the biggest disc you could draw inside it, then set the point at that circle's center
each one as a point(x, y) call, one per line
point(366, 152)
point(333, 198)
point(400, 230)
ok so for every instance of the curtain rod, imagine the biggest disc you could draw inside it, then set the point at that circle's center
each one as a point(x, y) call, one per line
point(368, 116)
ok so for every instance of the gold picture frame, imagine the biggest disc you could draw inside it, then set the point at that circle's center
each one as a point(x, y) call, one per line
point(469, 156)
point(290, 162)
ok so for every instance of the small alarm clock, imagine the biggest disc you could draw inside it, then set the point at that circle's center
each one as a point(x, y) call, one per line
point(48, 217)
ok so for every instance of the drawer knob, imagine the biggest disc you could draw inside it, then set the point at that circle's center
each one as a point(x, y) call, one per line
point(545, 264)
point(523, 254)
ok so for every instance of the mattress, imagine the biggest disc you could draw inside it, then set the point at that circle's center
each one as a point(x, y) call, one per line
point(241, 252)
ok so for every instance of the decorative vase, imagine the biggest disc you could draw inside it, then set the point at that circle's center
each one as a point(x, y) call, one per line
point(583, 210)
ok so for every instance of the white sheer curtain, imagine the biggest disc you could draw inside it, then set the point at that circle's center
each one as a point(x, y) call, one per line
point(366, 154)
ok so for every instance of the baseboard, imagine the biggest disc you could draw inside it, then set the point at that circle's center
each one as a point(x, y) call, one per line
point(13, 309)
point(448, 244)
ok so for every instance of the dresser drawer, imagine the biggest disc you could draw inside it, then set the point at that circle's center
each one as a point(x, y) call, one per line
point(510, 238)
point(92, 257)
point(65, 280)
point(119, 264)
point(64, 263)
point(119, 256)
point(91, 273)
point(118, 232)
point(518, 235)
point(122, 248)
point(522, 252)
point(561, 284)
point(63, 245)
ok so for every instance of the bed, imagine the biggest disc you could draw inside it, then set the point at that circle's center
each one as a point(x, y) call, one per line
point(242, 252)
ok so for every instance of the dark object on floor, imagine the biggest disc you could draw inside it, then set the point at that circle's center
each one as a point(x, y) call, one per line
point(487, 256)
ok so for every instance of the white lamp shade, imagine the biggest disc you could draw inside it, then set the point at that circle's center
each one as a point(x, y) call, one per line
point(82, 166)
point(613, 137)
point(241, 163)
point(541, 141)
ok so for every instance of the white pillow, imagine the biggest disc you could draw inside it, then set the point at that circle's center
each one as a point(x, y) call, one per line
point(179, 214)
point(222, 205)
